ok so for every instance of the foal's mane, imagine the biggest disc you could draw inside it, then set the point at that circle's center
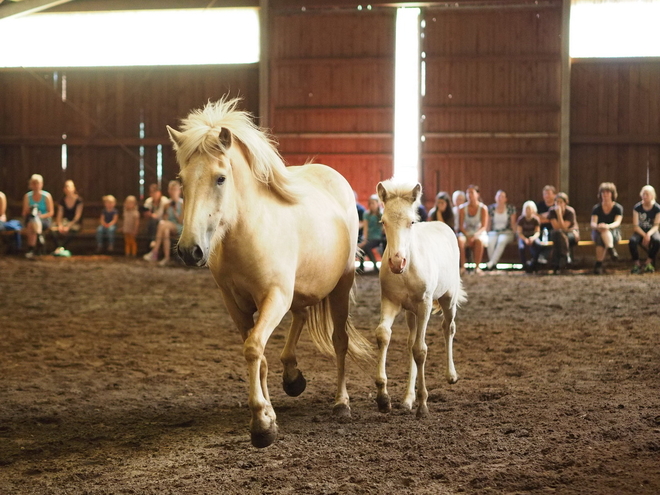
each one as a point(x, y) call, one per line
point(400, 189)
point(201, 130)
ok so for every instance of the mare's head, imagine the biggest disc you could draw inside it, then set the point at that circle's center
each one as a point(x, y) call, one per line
point(226, 162)
point(400, 214)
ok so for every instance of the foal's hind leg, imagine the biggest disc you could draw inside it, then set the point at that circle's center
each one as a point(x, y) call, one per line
point(388, 312)
point(449, 330)
point(409, 398)
point(293, 381)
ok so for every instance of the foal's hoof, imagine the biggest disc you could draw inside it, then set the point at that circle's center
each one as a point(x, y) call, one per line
point(296, 386)
point(384, 403)
point(452, 379)
point(261, 439)
point(341, 411)
point(422, 411)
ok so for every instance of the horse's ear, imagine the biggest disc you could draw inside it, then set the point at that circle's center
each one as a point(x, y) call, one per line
point(225, 138)
point(417, 192)
point(175, 136)
point(382, 192)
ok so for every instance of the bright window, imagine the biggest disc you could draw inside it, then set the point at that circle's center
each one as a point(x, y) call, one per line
point(124, 38)
point(615, 29)
point(406, 95)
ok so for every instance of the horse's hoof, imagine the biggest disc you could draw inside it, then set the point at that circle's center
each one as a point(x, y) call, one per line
point(407, 405)
point(422, 411)
point(341, 411)
point(384, 403)
point(452, 379)
point(296, 386)
point(261, 439)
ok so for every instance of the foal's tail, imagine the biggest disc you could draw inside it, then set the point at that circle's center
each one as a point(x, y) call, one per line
point(321, 327)
point(458, 299)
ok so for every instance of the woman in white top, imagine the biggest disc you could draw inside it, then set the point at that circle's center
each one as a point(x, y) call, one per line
point(501, 227)
point(472, 222)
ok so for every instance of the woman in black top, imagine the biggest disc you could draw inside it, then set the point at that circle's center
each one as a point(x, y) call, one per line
point(606, 218)
point(69, 218)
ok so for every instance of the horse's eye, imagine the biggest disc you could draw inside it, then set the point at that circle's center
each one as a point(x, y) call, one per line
point(221, 180)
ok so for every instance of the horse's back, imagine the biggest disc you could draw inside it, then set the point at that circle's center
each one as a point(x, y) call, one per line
point(318, 177)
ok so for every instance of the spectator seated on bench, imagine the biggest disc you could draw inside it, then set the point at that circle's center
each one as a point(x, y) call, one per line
point(565, 231)
point(38, 213)
point(170, 225)
point(646, 221)
point(69, 219)
point(606, 219)
point(9, 225)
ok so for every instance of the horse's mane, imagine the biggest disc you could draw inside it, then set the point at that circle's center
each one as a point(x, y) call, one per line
point(201, 131)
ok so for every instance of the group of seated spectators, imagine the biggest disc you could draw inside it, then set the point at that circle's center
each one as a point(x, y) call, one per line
point(546, 230)
point(163, 215)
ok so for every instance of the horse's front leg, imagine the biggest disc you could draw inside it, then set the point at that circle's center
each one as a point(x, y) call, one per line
point(263, 427)
point(419, 354)
point(388, 312)
point(409, 398)
point(293, 381)
point(339, 301)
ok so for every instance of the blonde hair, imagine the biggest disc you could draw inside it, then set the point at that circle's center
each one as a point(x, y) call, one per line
point(649, 189)
point(109, 197)
point(36, 177)
point(130, 198)
point(530, 204)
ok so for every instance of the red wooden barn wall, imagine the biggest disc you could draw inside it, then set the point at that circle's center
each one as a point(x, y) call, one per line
point(615, 129)
point(101, 120)
point(332, 91)
point(492, 103)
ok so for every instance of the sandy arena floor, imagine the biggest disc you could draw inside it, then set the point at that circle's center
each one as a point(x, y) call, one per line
point(118, 377)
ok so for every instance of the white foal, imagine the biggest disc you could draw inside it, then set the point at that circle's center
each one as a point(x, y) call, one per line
point(420, 272)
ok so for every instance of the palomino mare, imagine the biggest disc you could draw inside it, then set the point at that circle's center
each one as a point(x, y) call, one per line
point(420, 273)
point(276, 239)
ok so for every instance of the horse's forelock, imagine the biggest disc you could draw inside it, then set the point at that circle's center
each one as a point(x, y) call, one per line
point(403, 190)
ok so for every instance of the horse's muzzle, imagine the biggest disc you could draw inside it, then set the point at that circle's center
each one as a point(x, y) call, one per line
point(193, 255)
point(398, 267)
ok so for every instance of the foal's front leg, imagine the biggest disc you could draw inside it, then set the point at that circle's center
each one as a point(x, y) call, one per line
point(409, 398)
point(419, 354)
point(388, 312)
point(263, 427)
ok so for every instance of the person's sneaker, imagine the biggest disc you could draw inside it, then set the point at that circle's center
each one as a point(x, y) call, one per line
point(150, 256)
point(613, 254)
point(598, 270)
point(58, 251)
point(65, 253)
point(41, 240)
point(649, 268)
point(164, 262)
point(637, 269)
point(29, 255)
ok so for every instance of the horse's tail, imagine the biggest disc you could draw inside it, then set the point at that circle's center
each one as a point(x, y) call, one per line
point(320, 325)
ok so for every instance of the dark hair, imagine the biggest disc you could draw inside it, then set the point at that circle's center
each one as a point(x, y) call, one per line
point(448, 214)
point(607, 186)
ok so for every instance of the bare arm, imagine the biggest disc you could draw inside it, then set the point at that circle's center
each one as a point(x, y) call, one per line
point(3, 207)
point(484, 221)
point(26, 206)
point(78, 216)
point(50, 207)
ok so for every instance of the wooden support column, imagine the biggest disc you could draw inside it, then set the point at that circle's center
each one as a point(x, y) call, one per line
point(264, 63)
point(565, 112)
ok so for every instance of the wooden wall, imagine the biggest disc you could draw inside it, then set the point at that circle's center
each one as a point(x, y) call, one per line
point(492, 103)
point(332, 91)
point(615, 129)
point(101, 121)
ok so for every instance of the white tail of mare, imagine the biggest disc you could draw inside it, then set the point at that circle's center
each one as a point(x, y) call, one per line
point(276, 239)
point(420, 273)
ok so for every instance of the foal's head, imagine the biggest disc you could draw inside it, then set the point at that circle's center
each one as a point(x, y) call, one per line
point(400, 214)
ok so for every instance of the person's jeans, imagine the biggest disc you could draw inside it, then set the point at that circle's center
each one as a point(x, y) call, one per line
point(497, 242)
point(106, 232)
point(635, 242)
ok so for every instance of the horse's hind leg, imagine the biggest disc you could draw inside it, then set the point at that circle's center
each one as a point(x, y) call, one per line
point(293, 381)
point(388, 312)
point(409, 398)
point(449, 330)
